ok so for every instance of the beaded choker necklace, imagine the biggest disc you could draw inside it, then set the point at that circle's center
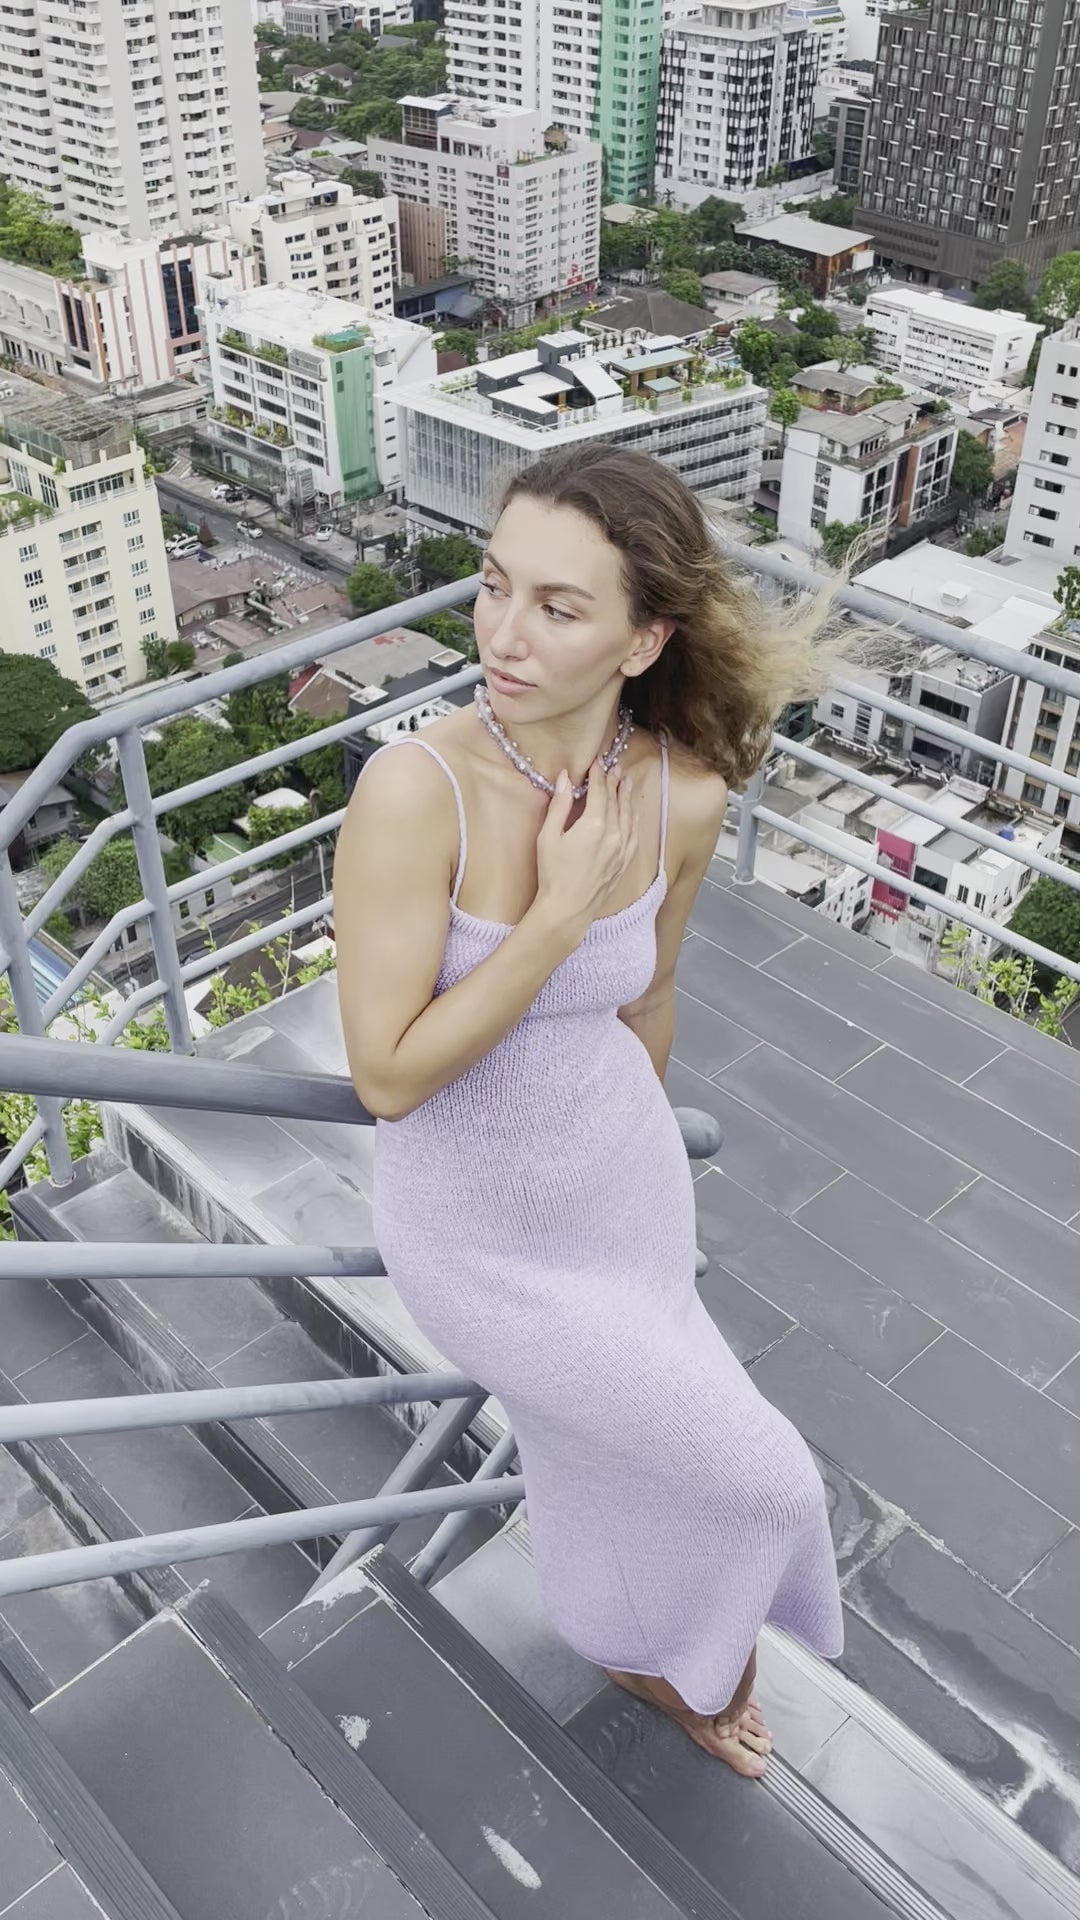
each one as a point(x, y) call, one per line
point(521, 760)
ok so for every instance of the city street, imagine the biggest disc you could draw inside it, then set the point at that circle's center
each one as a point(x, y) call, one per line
point(277, 542)
point(296, 890)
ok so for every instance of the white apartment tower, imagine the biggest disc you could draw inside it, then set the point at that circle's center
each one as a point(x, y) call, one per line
point(736, 98)
point(140, 117)
point(321, 235)
point(493, 49)
point(524, 214)
point(1044, 518)
point(83, 576)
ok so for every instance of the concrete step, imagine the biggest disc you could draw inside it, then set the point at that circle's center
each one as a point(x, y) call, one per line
point(858, 1780)
point(212, 1799)
point(60, 1856)
point(382, 1657)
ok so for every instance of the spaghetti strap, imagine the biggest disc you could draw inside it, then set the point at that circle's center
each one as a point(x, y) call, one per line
point(415, 740)
point(664, 788)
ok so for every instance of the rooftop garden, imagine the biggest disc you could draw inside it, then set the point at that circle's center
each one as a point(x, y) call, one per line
point(30, 237)
point(342, 342)
point(16, 509)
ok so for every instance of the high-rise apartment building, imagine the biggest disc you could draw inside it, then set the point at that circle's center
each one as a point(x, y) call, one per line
point(590, 67)
point(736, 98)
point(83, 576)
point(321, 235)
point(1044, 518)
point(488, 189)
point(973, 153)
point(140, 117)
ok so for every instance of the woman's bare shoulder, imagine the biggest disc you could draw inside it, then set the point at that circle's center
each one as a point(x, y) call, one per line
point(696, 790)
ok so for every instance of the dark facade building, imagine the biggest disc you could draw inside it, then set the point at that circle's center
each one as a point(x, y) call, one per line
point(973, 153)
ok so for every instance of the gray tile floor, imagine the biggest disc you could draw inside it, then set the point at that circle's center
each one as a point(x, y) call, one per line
point(888, 1229)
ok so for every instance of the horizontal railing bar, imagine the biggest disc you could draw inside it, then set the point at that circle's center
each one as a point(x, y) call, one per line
point(178, 1260)
point(35, 1572)
point(120, 1413)
point(876, 606)
point(88, 851)
point(951, 909)
point(164, 703)
point(73, 1069)
point(125, 1013)
point(204, 964)
point(941, 729)
point(310, 743)
point(926, 810)
point(252, 856)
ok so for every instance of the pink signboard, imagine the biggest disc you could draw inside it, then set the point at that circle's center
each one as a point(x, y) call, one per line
point(899, 856)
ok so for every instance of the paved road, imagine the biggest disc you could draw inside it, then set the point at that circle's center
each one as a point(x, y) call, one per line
point(277, 542)
point(296, 890)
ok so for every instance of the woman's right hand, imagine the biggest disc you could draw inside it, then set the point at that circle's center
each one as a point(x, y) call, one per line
point(579, 867)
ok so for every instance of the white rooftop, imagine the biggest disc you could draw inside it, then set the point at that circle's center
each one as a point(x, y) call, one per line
point(938, 306)
point(808, 236)
point(1000, 602)
point(293, 316)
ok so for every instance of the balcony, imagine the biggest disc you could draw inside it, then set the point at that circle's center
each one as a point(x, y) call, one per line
point(213, 1399)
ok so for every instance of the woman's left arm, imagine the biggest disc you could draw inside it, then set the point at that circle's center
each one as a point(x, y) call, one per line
point(698, 804)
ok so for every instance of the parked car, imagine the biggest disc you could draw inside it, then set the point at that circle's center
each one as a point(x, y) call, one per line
point(249, 529)
point(312, 559)
point(220, 493)
point(235, 493)
point(182, 547)
point(324, 533)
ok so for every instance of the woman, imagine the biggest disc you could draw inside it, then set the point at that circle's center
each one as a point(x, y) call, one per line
point(510, 897)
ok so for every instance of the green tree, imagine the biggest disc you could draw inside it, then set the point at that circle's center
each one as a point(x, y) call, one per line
point(449, 630)
point(785, 408)
point(311, 113)
point(167, 656)
point(682, 284)
point(757, 348)
point(1049, 914)
point(458, 340)
point(37, 705)
point(370, 587)
point(362, 180)
point(973, 466)
point(370, 119)
point(111, 881)
point(1059, 293)
point(1005, 286)
point(715, 220)
point(983, 540)
point(445, 557)
point(193, 749)
point(266, 823)
point(838, 537)
point(1067, 592)
point(30, 236)
point(838, 209)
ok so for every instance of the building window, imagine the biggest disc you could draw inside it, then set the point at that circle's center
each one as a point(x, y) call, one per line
point(28, 553)
point(143, 593)
point(34, 578)
point(140, 566)
point(49, 652)
point(136, 541)
point(39, 603)
point(1033, 793)
point(962, 895)
point(146, 615)
point(132, 517)
point(48, 490)
point(1039, 539)
point(41, 628)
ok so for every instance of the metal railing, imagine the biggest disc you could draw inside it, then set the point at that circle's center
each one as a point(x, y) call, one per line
point(56, 1071)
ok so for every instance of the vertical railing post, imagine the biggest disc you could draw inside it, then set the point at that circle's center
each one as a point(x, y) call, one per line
point(155, 887)
point(746, 851)
point(28, 1011)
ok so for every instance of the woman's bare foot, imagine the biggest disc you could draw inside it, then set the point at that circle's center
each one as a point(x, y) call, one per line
point(738, 1736)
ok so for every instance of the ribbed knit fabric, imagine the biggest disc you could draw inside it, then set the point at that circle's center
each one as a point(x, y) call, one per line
point(537, 1219)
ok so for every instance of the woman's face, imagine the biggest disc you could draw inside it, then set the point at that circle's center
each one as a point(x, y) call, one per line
point(552, 621)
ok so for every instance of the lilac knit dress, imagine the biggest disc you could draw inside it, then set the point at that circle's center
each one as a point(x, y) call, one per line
point(537, 1219)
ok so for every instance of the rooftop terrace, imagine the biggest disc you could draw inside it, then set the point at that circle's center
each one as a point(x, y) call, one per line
point(890, 1232)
